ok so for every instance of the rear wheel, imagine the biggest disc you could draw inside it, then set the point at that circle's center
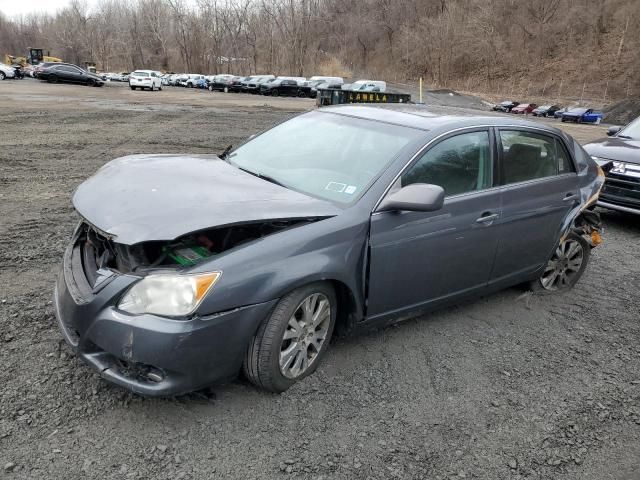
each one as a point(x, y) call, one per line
point(2, 76)
point(291, 342)
point(565, 267)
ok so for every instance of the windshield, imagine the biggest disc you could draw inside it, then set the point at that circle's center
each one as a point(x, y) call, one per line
point(324, 155)
point(632, 130)
point(579, 111)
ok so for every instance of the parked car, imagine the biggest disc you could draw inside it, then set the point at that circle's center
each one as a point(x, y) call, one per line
point(368, 86)
point(41, 66)
point(220, 82)
point(69, 73)
point(332, 80)
point(524, 108)
point(284, 87)
point(505, 106)
point(619, 157)
point(558, 114)
point(202, 83)
point(145, 79)
point(191, 81)
point(340, 219)
point(545, 110)
point(581, 115)
point(253, 84)
point(313, 91)
point(6, 71)
point(235, 85)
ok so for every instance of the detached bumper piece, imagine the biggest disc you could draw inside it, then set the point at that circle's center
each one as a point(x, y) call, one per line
point(147, 354)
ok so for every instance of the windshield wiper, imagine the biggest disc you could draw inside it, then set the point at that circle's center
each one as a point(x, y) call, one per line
point(623, 136)
point(225, 153)
point(262, 176)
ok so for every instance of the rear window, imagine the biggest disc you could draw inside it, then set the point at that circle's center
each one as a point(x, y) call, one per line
point(529, 156)
point(141, 73)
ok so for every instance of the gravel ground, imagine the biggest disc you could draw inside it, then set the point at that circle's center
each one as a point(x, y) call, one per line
point(509, 386)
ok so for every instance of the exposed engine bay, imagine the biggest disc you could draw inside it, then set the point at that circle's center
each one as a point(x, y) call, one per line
point(100, 252)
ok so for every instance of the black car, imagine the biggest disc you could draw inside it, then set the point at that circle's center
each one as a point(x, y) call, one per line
point(505, 106)
point(545, 110)
point(235, 85)
point(283, 87)
point(619, 157)
point(68, 73)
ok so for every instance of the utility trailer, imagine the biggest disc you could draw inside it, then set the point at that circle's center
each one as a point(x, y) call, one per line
point(332, 96)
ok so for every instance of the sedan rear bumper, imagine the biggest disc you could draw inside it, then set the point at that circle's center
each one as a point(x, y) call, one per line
point(148, 354)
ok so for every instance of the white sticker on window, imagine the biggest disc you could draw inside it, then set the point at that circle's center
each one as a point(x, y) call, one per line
point(350, 189)
point(335, 187)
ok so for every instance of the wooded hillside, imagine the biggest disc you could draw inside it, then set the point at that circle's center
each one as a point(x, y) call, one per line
point(553, 47)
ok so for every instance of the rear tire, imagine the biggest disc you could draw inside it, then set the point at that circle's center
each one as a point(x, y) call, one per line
point(292, 341)
point(3, 76)
point(565, 267)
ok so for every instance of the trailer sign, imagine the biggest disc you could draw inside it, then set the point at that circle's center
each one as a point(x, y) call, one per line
point(330, 96)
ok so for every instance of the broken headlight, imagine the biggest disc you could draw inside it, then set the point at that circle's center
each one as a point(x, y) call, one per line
point(168, 294)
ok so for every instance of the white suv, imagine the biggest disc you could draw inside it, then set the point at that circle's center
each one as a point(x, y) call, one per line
point(145, 79)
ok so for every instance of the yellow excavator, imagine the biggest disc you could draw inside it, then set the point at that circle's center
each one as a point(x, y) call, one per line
point(34, 57)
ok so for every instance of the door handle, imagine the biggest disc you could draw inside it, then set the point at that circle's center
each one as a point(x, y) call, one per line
point(487, 218)
point(569, 197)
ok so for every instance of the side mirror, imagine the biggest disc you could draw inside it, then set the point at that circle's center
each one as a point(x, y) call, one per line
point(611, 131)
point(417, 197)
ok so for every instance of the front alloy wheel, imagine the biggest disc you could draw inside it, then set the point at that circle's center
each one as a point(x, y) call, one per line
point(291, 342)
point(305, 335)
point(566, 265)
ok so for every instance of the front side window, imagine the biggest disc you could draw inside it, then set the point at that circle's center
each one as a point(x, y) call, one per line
point(334, 157)
point(458, 164)
point(529, 156)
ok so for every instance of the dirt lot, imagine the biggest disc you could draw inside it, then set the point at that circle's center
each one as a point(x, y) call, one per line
point(510, 386)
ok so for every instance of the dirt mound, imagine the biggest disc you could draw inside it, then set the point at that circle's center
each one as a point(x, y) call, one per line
point(622, 112)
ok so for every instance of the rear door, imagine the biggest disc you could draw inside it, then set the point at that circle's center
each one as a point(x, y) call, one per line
point(418, 259)
point(540, 187)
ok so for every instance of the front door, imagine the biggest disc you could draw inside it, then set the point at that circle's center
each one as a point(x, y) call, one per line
point(418, 259)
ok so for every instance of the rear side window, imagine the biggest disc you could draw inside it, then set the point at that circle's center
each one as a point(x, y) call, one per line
point(458, 164)
point(529, 156)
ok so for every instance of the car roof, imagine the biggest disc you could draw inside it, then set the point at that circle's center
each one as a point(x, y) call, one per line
point(416, 116)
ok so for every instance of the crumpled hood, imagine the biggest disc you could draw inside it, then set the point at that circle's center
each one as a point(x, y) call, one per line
point(615, 148)
point(161, 197)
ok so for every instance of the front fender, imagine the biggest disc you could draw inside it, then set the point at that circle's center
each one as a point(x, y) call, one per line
point(330, 249)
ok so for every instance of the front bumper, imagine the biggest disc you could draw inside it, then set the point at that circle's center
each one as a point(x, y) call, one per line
point(148, 354)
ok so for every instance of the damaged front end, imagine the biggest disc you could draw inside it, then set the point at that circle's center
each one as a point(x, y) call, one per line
point(101, 252)
point(148, 351)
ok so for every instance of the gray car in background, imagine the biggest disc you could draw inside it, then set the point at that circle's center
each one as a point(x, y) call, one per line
point(187, 269)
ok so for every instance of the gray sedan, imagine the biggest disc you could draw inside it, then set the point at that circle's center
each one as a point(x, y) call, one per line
point(186, 270)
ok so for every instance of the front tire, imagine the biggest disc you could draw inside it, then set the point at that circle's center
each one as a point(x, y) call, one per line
point(2, 76)
point(565, 267)
point(291, 342)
